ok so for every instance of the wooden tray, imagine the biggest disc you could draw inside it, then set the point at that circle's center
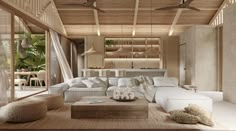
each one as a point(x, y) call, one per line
point(124, 100)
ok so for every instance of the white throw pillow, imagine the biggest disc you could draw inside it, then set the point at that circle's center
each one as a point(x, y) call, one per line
point(99, 82)
point(165, 82)
point(127, 82)
point(148, 80)
point(76, 82)
point(78, 85)
point(89, 83)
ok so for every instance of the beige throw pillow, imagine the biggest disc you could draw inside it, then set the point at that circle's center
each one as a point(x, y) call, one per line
point(183, 117)
point(205, 117)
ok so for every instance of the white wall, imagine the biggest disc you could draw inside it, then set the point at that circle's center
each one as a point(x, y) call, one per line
point(229, 54)
point(201, 62)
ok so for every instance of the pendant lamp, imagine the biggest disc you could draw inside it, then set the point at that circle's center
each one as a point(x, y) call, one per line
point(90, 51)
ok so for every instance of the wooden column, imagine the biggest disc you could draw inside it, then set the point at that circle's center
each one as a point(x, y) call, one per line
point(48, 58)
point(12, 98)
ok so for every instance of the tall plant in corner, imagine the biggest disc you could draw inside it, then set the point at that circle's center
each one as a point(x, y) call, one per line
point(35, 54)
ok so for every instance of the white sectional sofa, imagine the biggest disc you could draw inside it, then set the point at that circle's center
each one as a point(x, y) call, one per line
point(74, 89)
point(167, 93)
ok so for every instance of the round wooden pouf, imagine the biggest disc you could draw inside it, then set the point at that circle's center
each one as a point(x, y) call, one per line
point(24, 111)
point(53, 101)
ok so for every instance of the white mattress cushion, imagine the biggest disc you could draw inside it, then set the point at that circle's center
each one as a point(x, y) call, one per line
point(178, 98)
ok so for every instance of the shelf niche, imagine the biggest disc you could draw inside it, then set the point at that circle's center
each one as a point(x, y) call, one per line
point(132, 53)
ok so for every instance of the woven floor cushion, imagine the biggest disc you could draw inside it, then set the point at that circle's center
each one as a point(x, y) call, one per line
point(53, 101)
point(24, 111)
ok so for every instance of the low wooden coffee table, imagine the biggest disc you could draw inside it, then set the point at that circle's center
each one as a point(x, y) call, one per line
point(104, 107)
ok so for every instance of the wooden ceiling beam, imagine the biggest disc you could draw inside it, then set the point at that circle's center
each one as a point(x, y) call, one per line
point(96, 20)
point(23, 24)
point(135, 17)
point(218, 11)
point(57, 13)
point(120, 9)
point(172, 27)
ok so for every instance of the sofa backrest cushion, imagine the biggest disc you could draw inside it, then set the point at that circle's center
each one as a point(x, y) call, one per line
point(103, 80)
point(128, 82)
point(76, 82)
point(113, 81)
point(165, 82)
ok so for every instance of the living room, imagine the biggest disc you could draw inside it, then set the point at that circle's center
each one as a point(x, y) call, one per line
point(105, 64)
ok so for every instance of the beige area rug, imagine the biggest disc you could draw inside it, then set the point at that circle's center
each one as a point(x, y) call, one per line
point(60, 119)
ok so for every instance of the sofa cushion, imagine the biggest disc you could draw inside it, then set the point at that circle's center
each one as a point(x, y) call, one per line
point(99, 81)
point(77, 82)
point(165, 82)
point(113, 81)
point(86, 89)
point(127, 82)
point(89, 83)
point(178, 98)
point(145, 80)
point(78, 85)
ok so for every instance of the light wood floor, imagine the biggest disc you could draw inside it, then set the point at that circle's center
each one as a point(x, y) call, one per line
point(60, 119)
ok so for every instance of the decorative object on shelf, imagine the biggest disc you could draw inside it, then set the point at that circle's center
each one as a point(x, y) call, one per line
point(109, 43)
point(123, 94)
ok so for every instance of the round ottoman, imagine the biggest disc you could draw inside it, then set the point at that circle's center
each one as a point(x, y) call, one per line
point(24, 111)
point(53, 101)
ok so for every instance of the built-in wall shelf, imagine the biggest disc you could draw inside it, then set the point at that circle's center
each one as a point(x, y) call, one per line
point(130, 52)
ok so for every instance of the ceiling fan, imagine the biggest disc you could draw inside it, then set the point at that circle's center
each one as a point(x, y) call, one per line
point(87, 4)
point(184, 5)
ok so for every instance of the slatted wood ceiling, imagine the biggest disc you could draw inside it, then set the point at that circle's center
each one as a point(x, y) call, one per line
point(78, 20)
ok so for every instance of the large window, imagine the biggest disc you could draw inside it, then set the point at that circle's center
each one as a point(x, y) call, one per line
point(22, 56)
point(29, 58)
point(5, 50)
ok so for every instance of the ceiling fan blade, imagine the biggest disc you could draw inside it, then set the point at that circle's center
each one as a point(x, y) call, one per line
point(193, 8)
point(168, 8)
point(90, 2)
point(98, 9)
point(76, 5)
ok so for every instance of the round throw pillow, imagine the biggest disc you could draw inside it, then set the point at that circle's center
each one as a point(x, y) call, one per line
point(183, 117)
point(205, 117)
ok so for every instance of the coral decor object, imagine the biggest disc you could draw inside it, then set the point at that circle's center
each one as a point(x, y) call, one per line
point(123, 94)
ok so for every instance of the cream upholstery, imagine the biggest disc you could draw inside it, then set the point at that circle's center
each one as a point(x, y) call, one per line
point(53, 101)
point(24, 111)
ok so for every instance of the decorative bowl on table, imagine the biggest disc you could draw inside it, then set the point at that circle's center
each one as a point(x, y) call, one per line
point(123, 95)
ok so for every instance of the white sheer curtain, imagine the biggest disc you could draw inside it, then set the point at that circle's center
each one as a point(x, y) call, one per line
point(3, 88)
point(4, 83)
point(65, 68)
